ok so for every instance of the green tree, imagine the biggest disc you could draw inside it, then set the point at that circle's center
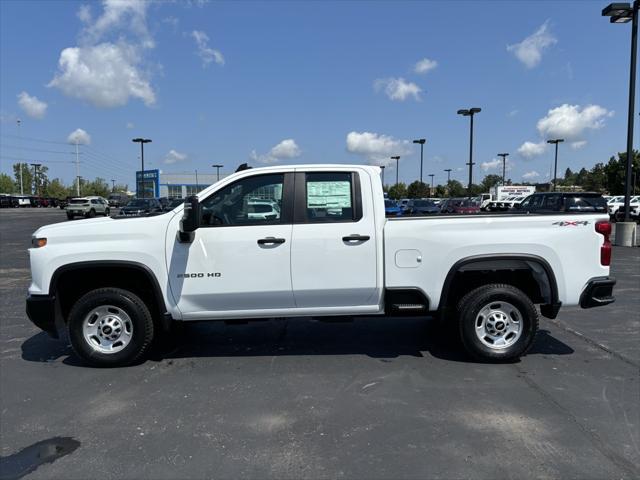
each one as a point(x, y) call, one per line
point(417, 189)
point(6, 184)
point(56, 189)
point(27, 178)
point(120, 187)
point(455, 188)
point(398, 191)
point(99, 187)
point(615, 172)
point(490, 181)
point(441, 191)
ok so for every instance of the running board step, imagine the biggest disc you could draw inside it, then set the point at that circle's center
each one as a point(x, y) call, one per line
point(408, 307)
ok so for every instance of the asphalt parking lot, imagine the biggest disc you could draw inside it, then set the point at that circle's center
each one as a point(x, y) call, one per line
point(376, 398)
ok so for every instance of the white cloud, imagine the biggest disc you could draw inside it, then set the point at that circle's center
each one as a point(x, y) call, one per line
point(398, 89)
point(425, 65)
point(377, 148)
point(174, 157)
point(285, 150)
point(31, 105)
point(513, 113)
point(529, 51)
point(107, 72)
point(531, 149)
point(79, 136)
point(105, 75)
point(84, 13)
point(206, 53)
point(496, 164)
point(571, 121)
point(531, 175)
point(130, 125)
point(578, 145)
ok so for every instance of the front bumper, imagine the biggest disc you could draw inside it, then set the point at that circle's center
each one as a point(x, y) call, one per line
point(41, 310)
point(598, 292)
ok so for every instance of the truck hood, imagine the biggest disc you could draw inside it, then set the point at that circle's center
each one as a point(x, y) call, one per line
point(98, 226)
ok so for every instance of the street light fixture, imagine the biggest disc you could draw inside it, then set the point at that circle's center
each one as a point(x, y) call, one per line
point(504, 164)
point(624, 13)
point(470, 113)
point(421, 141)
point(217, 167)
point(142, 141)
point(555, 165)
point(397, 159)
point(448, 170)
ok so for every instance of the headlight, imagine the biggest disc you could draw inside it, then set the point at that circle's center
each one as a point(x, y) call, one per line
point(38, 242)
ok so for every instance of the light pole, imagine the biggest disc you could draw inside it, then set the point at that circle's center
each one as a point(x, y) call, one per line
point(431, 191)
point(197, 183)
point(421, 141)
point(623, 13)
point(142, 141)
point(504, 164)
point(470, 113)
point(382, 167)
point(19, 122)
point(113, 185)
point(397, 159)
point(217, 167)
point(555, 165)
point(448, 170)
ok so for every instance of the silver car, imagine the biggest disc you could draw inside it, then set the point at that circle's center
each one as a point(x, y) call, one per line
point(87, 207)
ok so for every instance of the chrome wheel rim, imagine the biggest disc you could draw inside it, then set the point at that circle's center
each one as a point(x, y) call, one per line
point(498, 325)
point(107, 329)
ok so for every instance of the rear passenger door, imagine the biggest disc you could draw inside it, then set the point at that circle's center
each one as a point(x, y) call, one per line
point(333, 244)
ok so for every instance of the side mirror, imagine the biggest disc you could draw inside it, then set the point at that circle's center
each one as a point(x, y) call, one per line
point(190, 219)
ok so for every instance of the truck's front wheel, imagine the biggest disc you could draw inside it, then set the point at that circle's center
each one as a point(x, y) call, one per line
point(110, 327)
point(497, 322)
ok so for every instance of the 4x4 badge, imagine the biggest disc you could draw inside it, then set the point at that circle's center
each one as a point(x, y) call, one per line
point(571, 223)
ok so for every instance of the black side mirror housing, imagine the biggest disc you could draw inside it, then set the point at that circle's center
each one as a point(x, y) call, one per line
point(190, 219)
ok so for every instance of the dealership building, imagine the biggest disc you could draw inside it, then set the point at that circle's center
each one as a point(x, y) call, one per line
point(173, 185)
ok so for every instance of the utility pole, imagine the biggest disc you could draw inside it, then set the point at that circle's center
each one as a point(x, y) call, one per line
point(448, 170)
point(35, 166)
point(77, 170)
point(420, 141)
point(397, 159)
point(197, 183)
point(555, 165)
point(504, 164)
point(19, 122)
point(431, 191)
point(113, 185)
point(382, 167)
point(217, 167)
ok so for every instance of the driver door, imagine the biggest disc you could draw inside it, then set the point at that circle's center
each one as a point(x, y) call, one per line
point(239, 261)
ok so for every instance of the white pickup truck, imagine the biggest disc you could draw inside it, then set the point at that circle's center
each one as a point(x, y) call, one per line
point(323, 249)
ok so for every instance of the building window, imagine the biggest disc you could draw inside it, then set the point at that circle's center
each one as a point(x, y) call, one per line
point(192, 190)
point(175, 191)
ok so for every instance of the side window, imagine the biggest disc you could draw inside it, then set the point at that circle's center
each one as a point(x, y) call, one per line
point(254, 200)
point(94, 202)
point(552, 202)
point(330, 197)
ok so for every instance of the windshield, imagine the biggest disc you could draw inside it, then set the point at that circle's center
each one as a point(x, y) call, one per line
point(139, 203)
point(175, 202)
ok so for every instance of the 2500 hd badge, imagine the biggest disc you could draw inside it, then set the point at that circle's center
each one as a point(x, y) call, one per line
point(199, 275)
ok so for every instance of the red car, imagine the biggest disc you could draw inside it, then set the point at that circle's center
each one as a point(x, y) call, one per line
point(460, 205)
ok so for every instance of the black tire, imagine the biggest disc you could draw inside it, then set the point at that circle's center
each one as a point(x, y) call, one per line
point(470, 307)
point(91, 213)
point(107, 212)
point(133, 306)
point(69, 216)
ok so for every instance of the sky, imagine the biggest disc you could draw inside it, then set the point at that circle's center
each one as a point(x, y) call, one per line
point(272, 83)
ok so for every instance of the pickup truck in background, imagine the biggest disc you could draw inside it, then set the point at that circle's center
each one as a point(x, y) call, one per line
point(324, 248)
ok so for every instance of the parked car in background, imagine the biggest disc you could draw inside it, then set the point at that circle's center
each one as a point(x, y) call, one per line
point(164, 202)
point(403, 204)
point(141, 207)
point(392, 209)
point(8, 201)
point(634, 206)
point(422, 207)
point(460, 205)
point(549, 202)
point(265, 210)
point(87, 207)
point(23, 201)
point(118, 199)
point(173, 203)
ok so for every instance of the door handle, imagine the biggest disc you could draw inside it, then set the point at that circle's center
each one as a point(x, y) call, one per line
point(270, 241)
point(356, 238)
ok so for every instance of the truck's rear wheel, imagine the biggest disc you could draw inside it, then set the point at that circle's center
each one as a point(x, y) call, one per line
point(110, 327)
point(497, 323)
